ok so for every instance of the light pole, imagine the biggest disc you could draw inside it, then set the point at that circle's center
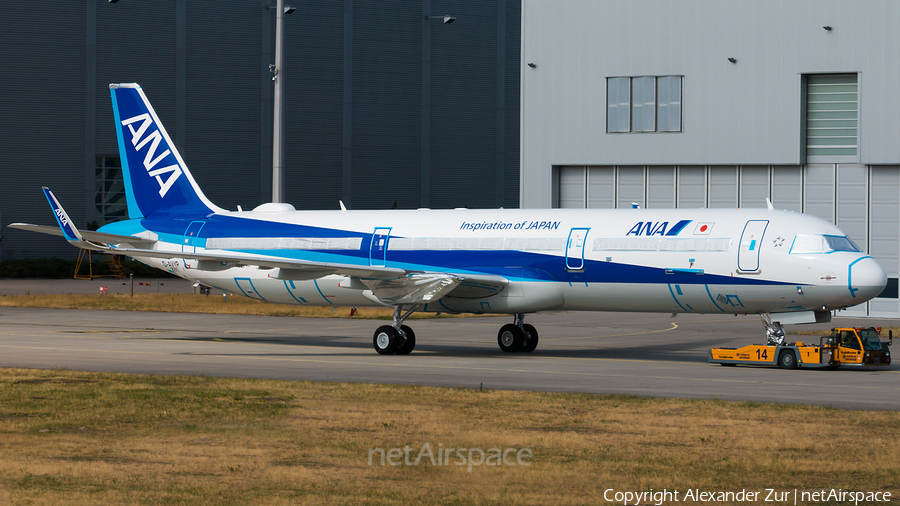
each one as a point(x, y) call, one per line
point(425, 198)
point(277, 121)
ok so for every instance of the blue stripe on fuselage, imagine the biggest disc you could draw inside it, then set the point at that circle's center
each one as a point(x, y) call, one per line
point(513, 265)
point(677, 227)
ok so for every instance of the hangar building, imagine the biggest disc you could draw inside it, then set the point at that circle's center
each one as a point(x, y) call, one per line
point(700, 103)
point(384, 107)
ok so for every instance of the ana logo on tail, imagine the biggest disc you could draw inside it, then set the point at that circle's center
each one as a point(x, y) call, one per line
point(139, 140)
point(62, 218)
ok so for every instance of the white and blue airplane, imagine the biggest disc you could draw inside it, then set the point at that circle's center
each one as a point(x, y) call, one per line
point(788, 267)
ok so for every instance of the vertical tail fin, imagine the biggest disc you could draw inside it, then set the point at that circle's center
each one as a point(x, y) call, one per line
point(156, 177)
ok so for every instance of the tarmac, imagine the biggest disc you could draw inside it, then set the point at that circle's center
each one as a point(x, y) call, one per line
point(622, 353)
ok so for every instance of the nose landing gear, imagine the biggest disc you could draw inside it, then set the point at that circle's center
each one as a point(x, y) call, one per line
point(774, 330)
point(518, 336)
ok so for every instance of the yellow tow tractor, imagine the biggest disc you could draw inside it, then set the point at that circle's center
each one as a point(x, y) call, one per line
point(846, 346)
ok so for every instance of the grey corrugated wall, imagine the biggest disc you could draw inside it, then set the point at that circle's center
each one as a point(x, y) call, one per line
point(42, 116)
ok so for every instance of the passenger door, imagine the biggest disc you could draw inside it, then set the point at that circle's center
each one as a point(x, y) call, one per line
point(190, 242)
point(378, 247)
point(751, 241)
point(575, 267)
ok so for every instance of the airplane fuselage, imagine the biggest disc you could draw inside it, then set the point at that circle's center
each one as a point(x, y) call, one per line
point(680, 261)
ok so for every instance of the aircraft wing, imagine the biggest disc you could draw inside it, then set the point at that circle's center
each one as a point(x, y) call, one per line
point(98, 237)
point(289, 268)
point(391, 285)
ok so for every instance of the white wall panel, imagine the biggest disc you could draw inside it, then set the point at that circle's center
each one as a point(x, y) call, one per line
point(723, 187)
point(691, 187)
point(852, 202)
point(884, 231)
point(571, 187)
point(883, 308)
point(819, 191)
point(885, 218)
point(601, 187)
point(631, 186)
point(787, 187)
point(851, 211)
point(661, 187)
point(754, 186)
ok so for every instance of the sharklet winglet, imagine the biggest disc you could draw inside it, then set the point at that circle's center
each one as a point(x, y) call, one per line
point(62, 218)
point(69, 231)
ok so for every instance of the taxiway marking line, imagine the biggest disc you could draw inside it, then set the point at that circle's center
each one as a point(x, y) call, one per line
point(673, 327)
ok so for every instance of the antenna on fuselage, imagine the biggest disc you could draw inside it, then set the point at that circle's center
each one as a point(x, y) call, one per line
point(769, 204)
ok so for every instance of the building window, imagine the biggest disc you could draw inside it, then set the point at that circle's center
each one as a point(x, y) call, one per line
point(669, 105)
point(831, 116)
point(618, 103)
point(110, 197)
point(643, 104)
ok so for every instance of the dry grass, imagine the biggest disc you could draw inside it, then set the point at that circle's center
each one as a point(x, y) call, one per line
point(98, 439)
point(186, 303)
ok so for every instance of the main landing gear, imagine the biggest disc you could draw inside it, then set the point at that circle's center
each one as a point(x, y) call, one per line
point(396, 339)
point(399, 339)
point(518, 336)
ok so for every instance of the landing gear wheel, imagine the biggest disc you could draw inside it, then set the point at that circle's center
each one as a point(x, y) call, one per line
point(531, 338)
point(386, 340)
point(407, 347)
point(787, 360)
point(510, 338)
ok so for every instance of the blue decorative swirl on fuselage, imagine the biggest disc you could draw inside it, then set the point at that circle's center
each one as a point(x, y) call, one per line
point(511, 264)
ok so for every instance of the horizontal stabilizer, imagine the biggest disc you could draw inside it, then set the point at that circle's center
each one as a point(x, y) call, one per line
point(99, 237)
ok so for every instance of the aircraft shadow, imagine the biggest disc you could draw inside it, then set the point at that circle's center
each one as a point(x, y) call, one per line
point(343, 346)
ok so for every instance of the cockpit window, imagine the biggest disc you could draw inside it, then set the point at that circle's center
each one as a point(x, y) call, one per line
point(809, 243)
point(840, 243)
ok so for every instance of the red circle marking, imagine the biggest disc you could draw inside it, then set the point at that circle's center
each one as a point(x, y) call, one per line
point(703, 228)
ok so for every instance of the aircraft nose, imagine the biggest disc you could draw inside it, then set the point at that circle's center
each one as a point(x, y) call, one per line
point(866, 278)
